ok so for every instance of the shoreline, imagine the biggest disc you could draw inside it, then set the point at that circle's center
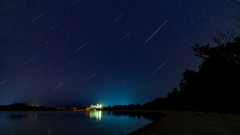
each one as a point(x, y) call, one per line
point(189, 123)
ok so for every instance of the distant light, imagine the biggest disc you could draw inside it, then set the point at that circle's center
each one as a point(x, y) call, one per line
point(96, 106)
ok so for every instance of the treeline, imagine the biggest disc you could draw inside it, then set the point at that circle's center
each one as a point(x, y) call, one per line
point(26, 107)
point(124, 107)
point(214, 87)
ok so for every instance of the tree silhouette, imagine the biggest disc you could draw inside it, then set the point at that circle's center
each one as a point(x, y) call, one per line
point(219, 75)
point(214, 87)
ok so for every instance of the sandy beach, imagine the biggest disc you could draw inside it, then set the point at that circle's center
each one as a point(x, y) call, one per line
point(193, 123)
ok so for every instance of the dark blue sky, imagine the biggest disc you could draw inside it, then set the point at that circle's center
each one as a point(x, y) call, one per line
point(82, 52)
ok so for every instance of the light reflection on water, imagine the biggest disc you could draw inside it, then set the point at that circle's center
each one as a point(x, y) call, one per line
point(69, 122)
point(95, 114)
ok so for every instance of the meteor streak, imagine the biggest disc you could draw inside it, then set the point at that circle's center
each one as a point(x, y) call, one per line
point(156, 31)
point(119, 17)
point(81, 47)
point(30, 59)
point(226, 2)
point(58, 86)
point(94, 75)
point(4, 82)
point(37, 17)
point(70, 62)
point(39, 68)
point(160, 67)
point(49, 69)
point(126, 35)
point(53, 27)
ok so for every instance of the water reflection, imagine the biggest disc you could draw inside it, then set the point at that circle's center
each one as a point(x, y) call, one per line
point(29, 116)
point(133, 114)
point(69, 122)
point(95, 114)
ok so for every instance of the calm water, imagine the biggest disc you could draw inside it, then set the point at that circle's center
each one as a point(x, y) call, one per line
point(69, 123)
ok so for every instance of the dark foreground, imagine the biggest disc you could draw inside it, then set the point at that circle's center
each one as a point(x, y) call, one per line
point(193, 123)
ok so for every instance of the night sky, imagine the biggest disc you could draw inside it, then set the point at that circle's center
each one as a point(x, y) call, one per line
point(114, 52)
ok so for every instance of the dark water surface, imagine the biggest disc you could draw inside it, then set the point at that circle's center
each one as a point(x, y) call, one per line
point(71, 122)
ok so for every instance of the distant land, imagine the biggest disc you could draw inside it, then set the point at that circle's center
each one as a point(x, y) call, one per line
point(27, 107)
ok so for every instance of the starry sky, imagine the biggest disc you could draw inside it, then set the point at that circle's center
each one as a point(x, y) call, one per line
point(114, 52)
